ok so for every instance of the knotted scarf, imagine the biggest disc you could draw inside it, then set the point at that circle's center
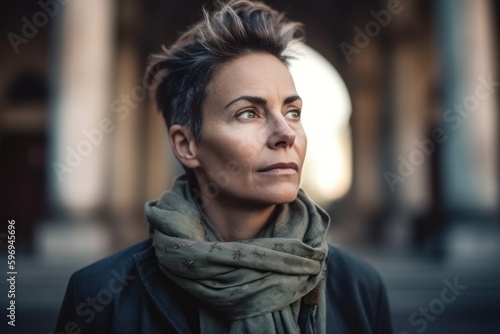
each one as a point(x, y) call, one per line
point(248, 286)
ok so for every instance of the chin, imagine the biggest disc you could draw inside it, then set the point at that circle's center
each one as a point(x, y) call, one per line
point(283, 194)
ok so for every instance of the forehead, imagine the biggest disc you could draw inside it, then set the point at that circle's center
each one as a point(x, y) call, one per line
point(255, 74)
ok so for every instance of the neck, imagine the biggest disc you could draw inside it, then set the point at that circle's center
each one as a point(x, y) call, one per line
point(235, 223)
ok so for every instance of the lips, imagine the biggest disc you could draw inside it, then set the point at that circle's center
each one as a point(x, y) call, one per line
point(279, 166)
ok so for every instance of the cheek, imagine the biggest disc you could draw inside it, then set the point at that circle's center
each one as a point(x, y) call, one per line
point(246, 155)
point(228, 153)
point(301, 144)
point(247, 147)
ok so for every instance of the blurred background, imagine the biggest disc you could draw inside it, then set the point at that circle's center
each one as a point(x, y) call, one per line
point(403, 150)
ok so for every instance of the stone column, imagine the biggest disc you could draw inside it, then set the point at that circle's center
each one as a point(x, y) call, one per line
point(80, 120)
point(469, 168)
point(80, 131)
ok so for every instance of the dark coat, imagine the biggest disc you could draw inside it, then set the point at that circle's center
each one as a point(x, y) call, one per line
point(127, 293)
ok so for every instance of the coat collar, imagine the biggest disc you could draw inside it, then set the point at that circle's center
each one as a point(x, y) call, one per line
point(160, 290)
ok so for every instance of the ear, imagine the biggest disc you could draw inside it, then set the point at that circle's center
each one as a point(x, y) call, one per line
point(184, 146)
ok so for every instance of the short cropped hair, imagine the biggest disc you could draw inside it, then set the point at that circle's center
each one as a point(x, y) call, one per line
point(184, 71)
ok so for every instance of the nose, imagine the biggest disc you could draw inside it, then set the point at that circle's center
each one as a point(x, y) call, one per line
point(282, 135)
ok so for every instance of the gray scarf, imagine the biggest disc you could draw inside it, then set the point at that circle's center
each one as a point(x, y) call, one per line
point(247, 286)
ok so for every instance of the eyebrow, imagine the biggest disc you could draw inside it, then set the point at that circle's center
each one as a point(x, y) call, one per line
point(260, 101)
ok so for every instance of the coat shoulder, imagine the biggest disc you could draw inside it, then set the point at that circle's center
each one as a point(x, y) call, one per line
point(350, 267)
point(357, 298)
point(98, 291)
point(122, 260)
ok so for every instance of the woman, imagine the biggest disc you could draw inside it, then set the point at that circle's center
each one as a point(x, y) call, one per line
point(236, 246)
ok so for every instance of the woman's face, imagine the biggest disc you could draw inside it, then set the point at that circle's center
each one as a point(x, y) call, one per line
point(252, 145)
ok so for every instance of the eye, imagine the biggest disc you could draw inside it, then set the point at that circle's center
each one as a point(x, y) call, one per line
point(248, 114)
point(294, 114)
